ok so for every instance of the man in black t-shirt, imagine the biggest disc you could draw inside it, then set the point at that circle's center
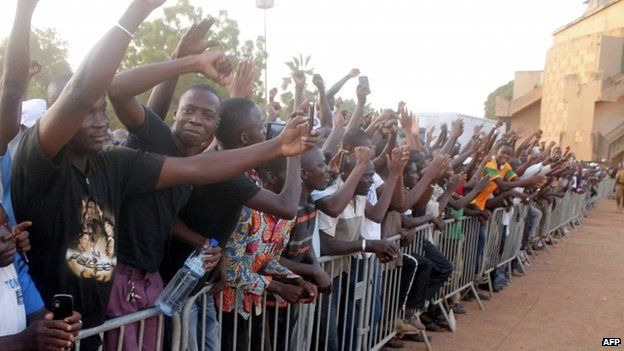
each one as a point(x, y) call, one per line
point(72, 190)
point(213, 210)
point(145, 221)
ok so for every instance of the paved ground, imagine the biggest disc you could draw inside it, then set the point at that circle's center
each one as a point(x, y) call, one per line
point(569, 300)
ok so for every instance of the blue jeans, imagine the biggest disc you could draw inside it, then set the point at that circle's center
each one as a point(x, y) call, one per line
point(211, 336)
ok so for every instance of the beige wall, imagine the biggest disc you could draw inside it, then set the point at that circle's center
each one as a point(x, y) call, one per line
point(529, 118)
point(601, 21)
point(525, 81)
point(609, 115)
point(610, 59)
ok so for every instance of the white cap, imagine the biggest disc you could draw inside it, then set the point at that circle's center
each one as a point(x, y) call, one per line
point(32, 110)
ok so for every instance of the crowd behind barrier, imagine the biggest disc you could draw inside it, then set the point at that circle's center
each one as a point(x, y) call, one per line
point(370, 331)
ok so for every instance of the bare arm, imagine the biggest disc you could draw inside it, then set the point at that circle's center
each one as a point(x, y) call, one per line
point(325, 114)
point(300, 79)
point(15, 76)
point(330, 146)
point(283, 205)
point(191, 43)
point(186, 235)
point(89, 83)
point(213, 167)
point(356, 118)
point(336, 87)
point(127, 85)
point(334, 204)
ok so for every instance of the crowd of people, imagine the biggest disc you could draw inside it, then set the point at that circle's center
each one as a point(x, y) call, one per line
point(110, 217)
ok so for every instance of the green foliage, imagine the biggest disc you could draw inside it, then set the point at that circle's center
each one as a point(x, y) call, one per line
point(156, 40)
point(505, 91)
point(298, 63)
point(51, 52)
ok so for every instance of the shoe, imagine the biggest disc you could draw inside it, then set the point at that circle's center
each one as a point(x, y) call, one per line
point(458, 309)
point(395, 343)
point(434, 327)
point(415, 322)
point(416, 337)
point(516, 273)
point(405, 328)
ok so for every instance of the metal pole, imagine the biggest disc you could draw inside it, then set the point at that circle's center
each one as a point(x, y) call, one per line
point(266, 59)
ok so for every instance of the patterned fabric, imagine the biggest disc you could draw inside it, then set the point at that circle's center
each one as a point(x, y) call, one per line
point(303, 230)
point(252, 257)
point(491, 168)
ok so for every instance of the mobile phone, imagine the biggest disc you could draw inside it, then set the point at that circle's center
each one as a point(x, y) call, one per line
point(63, 306)
point(311, 115)
point(273, 129)
point(364, 81)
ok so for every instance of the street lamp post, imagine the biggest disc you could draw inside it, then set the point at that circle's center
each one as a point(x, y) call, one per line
point(265, 5)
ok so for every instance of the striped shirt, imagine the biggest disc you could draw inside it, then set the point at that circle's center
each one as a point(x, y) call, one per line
point(303, 231)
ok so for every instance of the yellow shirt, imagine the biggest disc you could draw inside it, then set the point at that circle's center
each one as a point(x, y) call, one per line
point(491, 169)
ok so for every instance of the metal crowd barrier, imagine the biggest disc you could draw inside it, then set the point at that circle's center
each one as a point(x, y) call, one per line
point(119, 325)
point(362, 311)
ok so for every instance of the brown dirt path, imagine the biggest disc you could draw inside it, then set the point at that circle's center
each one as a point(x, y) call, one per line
point(569, 300)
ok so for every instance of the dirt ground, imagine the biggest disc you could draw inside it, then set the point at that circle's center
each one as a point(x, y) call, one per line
point(569, 300)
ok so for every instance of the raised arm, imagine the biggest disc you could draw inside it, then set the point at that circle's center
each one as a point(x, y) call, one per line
point(89, 83)
point(191, 43)
point(300, 79)
point(339, 84)
point(285, 204)
point(211, 167)
point(356, 118)
point(457, 129)
point(127, 85)
point(334, 204)
point(331, 144)
point(15, 76)
point(396, 162)
point(325, 114)
point(241, 84)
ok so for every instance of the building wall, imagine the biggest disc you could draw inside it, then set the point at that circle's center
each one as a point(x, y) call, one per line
point(576, 66)
point(525, 81)
point(528, 118)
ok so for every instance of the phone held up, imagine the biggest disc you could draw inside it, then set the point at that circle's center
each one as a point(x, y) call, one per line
point(363, 80)
point(273, 129)
point(311, 115)
point(63, 306)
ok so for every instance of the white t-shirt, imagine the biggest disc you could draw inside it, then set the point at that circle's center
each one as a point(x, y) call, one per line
point(13, 313)
point(370, 229)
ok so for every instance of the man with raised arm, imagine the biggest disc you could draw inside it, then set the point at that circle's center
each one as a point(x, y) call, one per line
point(72, 189)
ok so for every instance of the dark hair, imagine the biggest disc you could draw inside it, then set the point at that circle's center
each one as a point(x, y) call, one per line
point(234, 114)
point(502, 143)
point(276, 165)
point(201, 87)
point(355, 137)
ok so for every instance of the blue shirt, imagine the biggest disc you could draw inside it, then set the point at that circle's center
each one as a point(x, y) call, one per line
point(32, 298)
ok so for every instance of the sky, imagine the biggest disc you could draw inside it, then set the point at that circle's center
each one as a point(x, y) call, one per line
point(438, 56)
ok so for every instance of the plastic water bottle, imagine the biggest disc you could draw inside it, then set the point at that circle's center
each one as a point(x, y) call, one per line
point(179, 288)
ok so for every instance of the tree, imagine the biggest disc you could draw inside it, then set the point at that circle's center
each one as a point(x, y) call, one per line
point(155, 41)
point(505, 91)
point(51, 52)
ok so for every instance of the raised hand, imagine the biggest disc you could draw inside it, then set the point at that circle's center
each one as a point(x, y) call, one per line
point(274, 110)
point(477, 129)
point(215, 65)
point(354, 73)
point(294, 138)
point(241, 85)
point(299, 78)
point(192, 41)
point(362, 92)
point(318, 82)
point(340, 118)
point(397, 160)
point(363, 155)
point(272, 94)
point(457, 128)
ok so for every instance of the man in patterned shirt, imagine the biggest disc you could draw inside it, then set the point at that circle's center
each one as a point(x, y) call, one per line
point(252, 257)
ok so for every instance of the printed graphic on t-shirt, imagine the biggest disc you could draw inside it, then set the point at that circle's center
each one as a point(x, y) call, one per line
point(92, 255)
